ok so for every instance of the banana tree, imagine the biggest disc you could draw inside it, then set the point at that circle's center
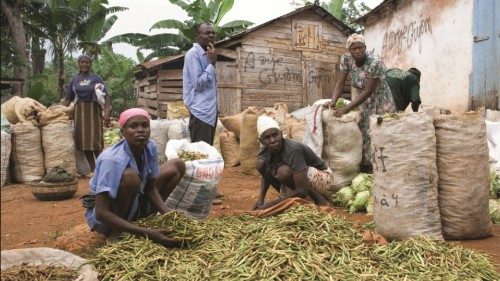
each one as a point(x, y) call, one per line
point(66, 23)
point(198, 11)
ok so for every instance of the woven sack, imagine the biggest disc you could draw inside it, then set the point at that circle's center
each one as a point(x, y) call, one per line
point(230, 149)
point(27, 154)
point(59, 146)
point(249, 143)
point(405, 176)
point(463, 167)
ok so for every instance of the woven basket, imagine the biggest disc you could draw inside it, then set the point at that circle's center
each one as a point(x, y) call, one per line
point(53, 191)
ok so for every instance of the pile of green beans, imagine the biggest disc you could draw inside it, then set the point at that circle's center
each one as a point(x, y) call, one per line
point(39, 273)
point(300, 244)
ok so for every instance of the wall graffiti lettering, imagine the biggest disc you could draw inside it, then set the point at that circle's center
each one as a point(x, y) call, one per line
point(275, 72)
point(314, 78)
point(269, 75)
point(407, 36)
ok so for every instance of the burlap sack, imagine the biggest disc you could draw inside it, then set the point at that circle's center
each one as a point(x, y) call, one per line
point(53, 114)
point(279, 114)
point(342, 146)
point(233, 123)
point(218, 130)
point(176, 110)
point(59, 146)
point(49, 256)
point(230, 149)
point(6, 146)
point(249, 143)
point(405, 176)
point(27, 153)
point(298, 130)
point(463, 167)
point(18, 109)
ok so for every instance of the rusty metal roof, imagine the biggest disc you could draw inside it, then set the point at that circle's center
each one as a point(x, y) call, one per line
point(377, 9)
point(316, 8)
point(160, 61)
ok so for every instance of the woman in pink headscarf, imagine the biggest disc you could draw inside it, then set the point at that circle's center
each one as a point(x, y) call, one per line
point(128, 184)
point(367, 73)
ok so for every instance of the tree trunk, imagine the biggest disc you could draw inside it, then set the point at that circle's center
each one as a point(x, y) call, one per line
point(61, 75)
point(37, 57)
point(13, 14)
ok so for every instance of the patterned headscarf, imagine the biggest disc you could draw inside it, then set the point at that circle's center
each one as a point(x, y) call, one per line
point(353, 38)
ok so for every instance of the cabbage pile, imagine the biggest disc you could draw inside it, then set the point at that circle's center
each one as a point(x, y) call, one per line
point(357, 196)
point(111, 137)
point(495, 210)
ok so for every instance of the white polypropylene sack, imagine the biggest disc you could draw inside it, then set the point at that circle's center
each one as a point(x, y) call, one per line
point(493, 138)
point(159, 134)
point(195, 192)
point(342, 146)
point(6, 145)
point(314, 130)
point(49, 257)
point(178, 130)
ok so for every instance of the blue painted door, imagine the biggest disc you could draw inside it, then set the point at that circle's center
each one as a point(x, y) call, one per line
point(485, 78)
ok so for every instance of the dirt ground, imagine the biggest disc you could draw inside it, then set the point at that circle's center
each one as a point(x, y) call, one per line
point(27, 222)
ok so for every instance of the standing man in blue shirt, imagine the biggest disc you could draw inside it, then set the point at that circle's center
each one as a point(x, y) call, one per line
point(200, 85)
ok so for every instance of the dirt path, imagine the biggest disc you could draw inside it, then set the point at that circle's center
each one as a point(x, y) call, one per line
point(27, 222)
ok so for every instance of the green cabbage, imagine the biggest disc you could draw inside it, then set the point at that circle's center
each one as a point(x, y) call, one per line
point(495, 211)
point(369, 205)
point(340, 103)
point(344, 195)
point(360, 201)
point(111, 137)
point(494, 183)
point(362, 182)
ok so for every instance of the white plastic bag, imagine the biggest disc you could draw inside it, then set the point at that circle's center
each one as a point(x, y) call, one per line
point(100, 94)
point(314, 129)
point(195, 192)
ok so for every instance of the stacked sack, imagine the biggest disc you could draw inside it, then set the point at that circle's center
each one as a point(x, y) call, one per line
point(434, 181)
point(6, 147)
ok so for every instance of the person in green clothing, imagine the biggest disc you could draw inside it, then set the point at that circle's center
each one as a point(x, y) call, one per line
point(405, 87)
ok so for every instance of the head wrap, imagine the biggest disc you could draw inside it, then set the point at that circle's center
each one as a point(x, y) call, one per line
point(84, 56)
point(129, 113)
point(264, 123)
point(353, 38)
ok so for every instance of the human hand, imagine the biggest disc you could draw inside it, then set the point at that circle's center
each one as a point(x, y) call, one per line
point(159, 236)
point(107, 118)
point(257, 205)
point(327, 104)
point(211, 53)
point(341, 111)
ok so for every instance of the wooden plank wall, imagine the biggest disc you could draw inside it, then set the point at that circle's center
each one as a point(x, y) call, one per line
point(273, 69)
point(146, 94)
point(169, 89)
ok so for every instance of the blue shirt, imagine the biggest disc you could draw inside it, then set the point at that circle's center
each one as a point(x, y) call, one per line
point(108, 174)
point(200, 85)
point(83, 87)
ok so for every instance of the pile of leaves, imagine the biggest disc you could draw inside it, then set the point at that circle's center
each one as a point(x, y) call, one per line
point(357, 196)
point(299, 244)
